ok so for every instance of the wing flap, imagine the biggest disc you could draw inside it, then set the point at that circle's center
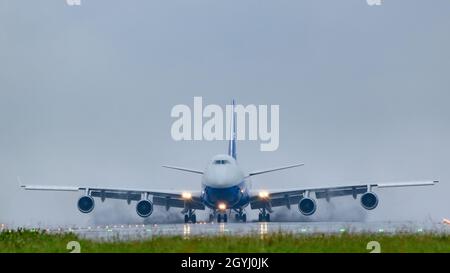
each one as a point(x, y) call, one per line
point(131, 196)
point(330, 193)
point(177, 203)
point(168, 202)
point(275, 202)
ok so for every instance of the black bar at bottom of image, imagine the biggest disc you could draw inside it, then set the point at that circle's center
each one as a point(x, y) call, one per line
point(223, 262)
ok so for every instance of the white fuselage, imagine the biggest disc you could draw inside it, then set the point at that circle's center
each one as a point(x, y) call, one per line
point(224, 183)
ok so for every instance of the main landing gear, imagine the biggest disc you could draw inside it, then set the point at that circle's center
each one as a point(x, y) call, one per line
point(240, 216)
point(190, 217)
point(263, 216)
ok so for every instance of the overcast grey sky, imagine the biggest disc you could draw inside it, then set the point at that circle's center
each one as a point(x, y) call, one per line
point(86, 94)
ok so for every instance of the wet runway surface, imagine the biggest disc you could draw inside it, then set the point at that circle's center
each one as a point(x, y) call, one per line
point(139, 232)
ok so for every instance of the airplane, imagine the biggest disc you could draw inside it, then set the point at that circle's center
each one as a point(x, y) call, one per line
point(225, 188)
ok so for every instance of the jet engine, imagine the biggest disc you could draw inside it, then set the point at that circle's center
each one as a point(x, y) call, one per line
point(86, 204)
point(144, 208)
point(369, 200)
point(307, 206)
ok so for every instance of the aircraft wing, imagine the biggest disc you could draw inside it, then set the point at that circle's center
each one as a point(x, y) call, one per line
point(167, 198)
point(286, 197)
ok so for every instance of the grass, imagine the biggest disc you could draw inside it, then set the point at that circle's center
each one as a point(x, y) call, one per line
point(26, 241)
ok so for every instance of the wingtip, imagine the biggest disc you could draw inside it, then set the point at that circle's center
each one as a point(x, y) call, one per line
point(21, 185)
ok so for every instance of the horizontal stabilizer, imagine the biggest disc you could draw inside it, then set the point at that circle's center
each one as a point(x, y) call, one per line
point(183, 169)
point(275, 169)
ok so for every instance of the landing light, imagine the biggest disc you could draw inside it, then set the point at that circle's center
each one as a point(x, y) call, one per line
point(222, 206)
point(186, 195)
point(263, 194)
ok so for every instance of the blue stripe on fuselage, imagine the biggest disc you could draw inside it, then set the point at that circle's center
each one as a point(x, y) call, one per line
point(234, 197)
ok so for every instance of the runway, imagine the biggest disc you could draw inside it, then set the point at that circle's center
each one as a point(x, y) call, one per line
point(140, 232)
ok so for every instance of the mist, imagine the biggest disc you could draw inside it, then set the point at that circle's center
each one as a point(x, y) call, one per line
point(337, 210)
point(115, 212)
point(86, 95)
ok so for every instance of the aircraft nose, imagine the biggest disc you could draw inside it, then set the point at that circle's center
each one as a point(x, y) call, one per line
point(220, 181)
point(220, 177)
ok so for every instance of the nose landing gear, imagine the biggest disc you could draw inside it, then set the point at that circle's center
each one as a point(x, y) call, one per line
point(221, 217)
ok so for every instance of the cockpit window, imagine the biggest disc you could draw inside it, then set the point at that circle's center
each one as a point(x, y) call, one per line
point(221, 162)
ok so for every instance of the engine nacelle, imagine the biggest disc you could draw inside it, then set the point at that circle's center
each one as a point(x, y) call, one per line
point(307, 206)
point(86, 204)
point(369, 200)
point(144, 208)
